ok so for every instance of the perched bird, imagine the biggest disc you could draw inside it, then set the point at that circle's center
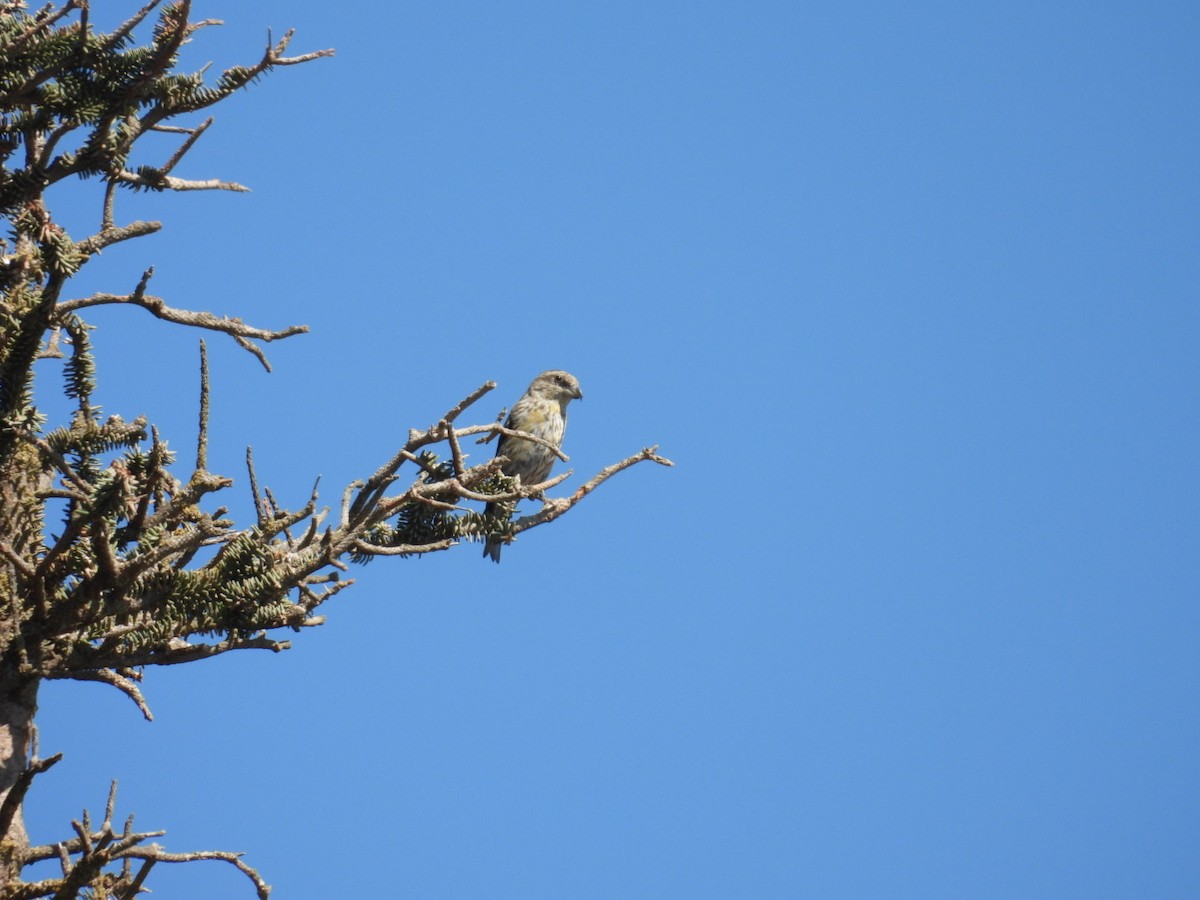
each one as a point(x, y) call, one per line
point(541, 411)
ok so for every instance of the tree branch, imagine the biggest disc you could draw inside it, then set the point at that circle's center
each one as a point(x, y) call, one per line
point(156, 854)
point(41, 24)
point(16, 794)
point(274, 55)
point(20, 564)
point(193, 135)
point(235, 328)
point(126, 685)
point(99, 848)
point(181, 651)
point(555, 508)
point(163, 181)
point(202, 434)
point(108, 236)
point(497, 428)
point(126, 27)
point(404, 549)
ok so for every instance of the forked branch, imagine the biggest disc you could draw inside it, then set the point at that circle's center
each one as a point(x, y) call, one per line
point(99, 861)
point(244, 334)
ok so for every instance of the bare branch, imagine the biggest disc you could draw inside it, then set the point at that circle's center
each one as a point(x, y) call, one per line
point(33, 889)
point(131, 23)
point(193, 136)
point(236, 328)
point(255, 349)
point(183, 651)
point(313, 599)
point(555, 508)
point(111, 806)
point(56, 459)
point(174, 652)
point(135, 885)
point(193, 27)
point(467, 401)
point(52, 141)
point(126, 686)
point(109, 236)
point(350, 488)
point(20, 564)
point(16, 794)
point(259, 510)
point(454, 485)
point(274, 55)
point(38, 24)
point(108, 220)
point(163, 181)
point(102, 544)
point(404, 549)
point(514, 433)
point(98, 848)
point(52, 350)
point(373, 488)
point(202, 436)
point(157, 854)
point(455, 451)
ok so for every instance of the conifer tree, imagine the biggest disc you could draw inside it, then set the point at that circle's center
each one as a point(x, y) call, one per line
point(113, 558)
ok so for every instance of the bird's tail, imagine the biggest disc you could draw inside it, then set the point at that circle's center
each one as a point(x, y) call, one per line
point(491, 544)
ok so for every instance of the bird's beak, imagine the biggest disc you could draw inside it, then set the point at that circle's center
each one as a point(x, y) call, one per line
point(578, 395)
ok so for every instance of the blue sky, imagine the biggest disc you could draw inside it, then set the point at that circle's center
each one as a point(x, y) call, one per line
point(909, 295)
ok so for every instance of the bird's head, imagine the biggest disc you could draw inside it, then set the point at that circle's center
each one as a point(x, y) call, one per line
point(557, 385)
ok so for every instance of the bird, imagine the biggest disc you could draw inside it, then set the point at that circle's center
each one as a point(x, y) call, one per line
point(541, 411)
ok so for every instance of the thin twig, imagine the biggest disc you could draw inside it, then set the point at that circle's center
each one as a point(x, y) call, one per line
point(314, 599)
point(16, 794)
point(404, 549)
point(462, 405)
point(26, 570)
point(163, 181)
point(131, 23)
point(125, 685)
point(259, 510)
point(236, 328)
point(169, 656)
point(274, 57)
point(254, 349)
point(110, 806)
point(41, 24)
point(373, 488)
point(105, 555)
point(52, 350)
point(135, 886)
point(186, 145)
point(56, 459)
point(107, 216)
point(202, 437)
point(455, 450)
point(114, 235)
point(512, 433)
point(555, 508)
point(158, 854)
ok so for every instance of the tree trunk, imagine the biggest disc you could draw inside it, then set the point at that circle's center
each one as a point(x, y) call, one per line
point(18, 703)
point(21, 477)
